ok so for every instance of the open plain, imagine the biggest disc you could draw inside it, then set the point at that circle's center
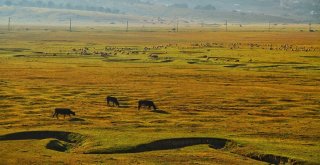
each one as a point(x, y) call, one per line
point(238, 97)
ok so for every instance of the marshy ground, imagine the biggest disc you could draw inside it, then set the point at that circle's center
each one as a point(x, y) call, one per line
point(224, 97)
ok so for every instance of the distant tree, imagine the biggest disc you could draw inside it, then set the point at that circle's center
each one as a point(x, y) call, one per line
point(207, 7)
point(90, 8)
point(40, 4)
point(79, 7)
point(51, 4)
point(107, 10)
point(101, 9)
point(24, 3)
point(61, 6)
point(8, 3)
point(68, 6)
point(180, 5)
point(115, 11)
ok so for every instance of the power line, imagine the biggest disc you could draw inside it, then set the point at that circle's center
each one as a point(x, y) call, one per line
point(310, 28)
point(177, 26)
point(269, 26)
point(9, 24)
point(70, 28)
point(127, 26)
point(226, 25)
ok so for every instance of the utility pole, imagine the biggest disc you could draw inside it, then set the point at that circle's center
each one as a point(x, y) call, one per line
point(70, 28)
point(9, 24)
point(226, 25)
point(310, 29)
point(177, 26)
point(269, 26)
point(127, 26)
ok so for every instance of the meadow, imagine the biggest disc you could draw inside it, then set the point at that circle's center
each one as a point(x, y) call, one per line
point(238, 97)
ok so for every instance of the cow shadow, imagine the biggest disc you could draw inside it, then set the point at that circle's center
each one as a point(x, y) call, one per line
point(124, 106)
point(160, 111)
point(120, 106)
point(76, 119)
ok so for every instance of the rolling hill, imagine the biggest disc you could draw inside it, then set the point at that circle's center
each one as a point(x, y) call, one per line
point(103, 12)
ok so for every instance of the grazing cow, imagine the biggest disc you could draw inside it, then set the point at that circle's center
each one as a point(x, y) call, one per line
point(113, 100)
point(64, 112)
point(146, 103)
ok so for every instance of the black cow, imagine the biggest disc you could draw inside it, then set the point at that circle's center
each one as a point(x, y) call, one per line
point(146, 103)
point(113, 100)
point(64, 112)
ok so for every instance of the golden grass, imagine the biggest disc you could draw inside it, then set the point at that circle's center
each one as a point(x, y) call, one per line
point(269, 105)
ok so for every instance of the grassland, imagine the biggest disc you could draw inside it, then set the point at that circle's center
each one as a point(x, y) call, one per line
point(257, 90)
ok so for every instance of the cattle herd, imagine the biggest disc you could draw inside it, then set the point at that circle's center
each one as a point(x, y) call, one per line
point(110, 100)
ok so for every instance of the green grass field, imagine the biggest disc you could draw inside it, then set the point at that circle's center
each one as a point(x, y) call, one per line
point(232, 97)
